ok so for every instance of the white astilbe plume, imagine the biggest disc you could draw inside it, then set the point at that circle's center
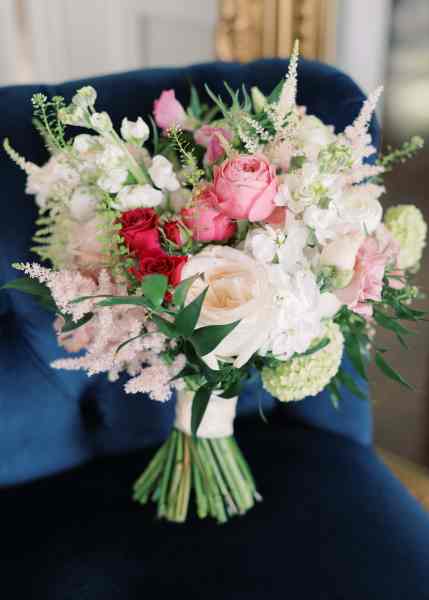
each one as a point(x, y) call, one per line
point(288, 95)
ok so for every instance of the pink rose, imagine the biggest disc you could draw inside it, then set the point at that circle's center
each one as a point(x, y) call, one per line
point(168, 111)
point(367, 283)
point(209, 138)
point(246, 187)
point(205, 220)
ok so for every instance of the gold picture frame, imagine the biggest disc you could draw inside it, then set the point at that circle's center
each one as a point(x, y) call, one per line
point(251, 29)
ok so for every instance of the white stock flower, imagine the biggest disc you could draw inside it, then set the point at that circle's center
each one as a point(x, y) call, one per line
point(83, 203)
point(162, 174)
point(134, 131)
point(85, 97)
point(323, 221)
point(101, 122)
point(113, 180)
point(300, 311)
point(239, 289)
point(84, 142)
point(138, 196)
point(360, 207)
point(110, 156)
point(261, 243)
point(291, 251)
point(313, 135)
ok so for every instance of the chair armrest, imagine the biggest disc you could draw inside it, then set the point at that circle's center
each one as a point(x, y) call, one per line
point(413, 476)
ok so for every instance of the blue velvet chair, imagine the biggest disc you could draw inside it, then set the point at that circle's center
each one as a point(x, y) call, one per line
point(334, 524)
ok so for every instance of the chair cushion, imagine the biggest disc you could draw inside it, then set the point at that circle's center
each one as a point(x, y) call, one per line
point(51, 420)
point(334, 525)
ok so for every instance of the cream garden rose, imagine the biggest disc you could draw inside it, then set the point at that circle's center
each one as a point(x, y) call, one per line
point(239, 290)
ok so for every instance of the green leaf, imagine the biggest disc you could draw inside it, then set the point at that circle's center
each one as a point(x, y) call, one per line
point(351, 384)
point(195, 104)
point(181, 291)
point(118, 300)
point(232, 391)
point(384, 366)
point(155, 135)
point(27, 286)
point(40, 291)
point(199, 405)
point(334, 394)
point(206, 339)
point(70, 325)
point(154, 288)
point(355, 353)
point(275, 94)
point(187, 318)
point(165, 327)
point(136, 337)
point(319, 346)
point(390, 323)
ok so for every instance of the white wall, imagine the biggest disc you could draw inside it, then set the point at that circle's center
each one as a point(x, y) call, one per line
point(362, 40)
point(65, 39)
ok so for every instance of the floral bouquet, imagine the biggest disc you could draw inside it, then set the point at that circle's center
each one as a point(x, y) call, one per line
point(249, 239)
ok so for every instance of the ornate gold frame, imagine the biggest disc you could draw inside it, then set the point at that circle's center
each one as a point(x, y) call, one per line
point(250, 29)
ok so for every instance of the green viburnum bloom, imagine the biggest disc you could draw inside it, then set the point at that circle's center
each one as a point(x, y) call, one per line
point(303, 376)
point(408, 227)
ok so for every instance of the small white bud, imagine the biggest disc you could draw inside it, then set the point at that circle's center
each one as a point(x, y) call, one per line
point(101, 122)
point(138, 196)
point(162, 174)
point(136, 132)
point(85, 97)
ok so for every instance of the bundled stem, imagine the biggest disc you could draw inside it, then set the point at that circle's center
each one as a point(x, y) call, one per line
point(214, 469)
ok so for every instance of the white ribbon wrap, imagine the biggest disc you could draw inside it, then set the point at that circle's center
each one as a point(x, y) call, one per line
point(218, 420)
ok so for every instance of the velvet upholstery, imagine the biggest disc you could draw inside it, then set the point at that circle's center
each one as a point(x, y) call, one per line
point(334, 524)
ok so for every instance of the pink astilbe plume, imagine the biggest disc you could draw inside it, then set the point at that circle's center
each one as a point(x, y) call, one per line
point(357, 136)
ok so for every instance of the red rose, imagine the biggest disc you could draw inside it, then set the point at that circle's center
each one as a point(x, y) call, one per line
point(139, 230)
point(173, 232)
point(164, 264)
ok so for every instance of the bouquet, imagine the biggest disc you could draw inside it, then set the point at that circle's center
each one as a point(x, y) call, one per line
point(249, 239)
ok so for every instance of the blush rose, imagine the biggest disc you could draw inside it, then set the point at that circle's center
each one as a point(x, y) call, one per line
point(168, 111)
point(206, 222)
point(246, 187)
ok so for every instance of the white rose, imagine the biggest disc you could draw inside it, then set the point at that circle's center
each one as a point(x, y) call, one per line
point(135, 131)
point(239, 290)
point(360, 207)
point(341, 252)
point(113, 180)
point(162, 174)
point(83, 203)
point(138, 196)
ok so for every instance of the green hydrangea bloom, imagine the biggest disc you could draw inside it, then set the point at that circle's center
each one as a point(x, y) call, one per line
point(408, 227)
point(303, 376)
